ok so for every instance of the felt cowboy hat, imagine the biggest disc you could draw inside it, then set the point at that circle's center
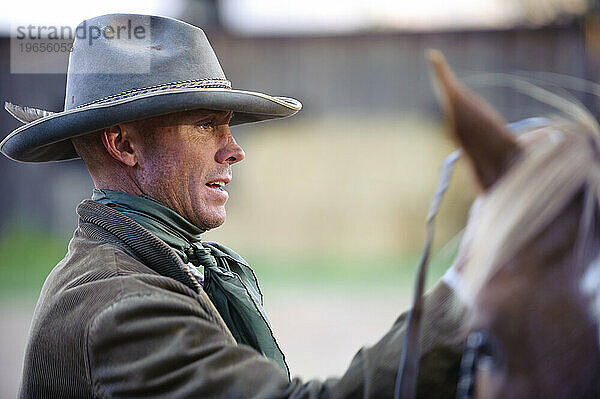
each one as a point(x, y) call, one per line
point(125, 67)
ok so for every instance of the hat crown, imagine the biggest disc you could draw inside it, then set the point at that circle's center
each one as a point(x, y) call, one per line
point(117, 54)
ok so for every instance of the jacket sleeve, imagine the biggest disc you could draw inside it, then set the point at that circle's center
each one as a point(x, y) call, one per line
point(165, 345)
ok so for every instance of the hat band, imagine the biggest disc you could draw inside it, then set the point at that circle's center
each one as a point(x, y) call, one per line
point(193, 83)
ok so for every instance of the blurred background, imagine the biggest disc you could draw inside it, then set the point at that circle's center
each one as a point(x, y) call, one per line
point(329, 205)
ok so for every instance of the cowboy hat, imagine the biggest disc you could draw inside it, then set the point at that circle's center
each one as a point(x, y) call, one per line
point(126, 67)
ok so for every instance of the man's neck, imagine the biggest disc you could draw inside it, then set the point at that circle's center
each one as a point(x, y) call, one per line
point(123, 185)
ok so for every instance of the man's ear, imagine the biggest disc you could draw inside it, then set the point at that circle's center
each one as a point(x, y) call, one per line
point(119, 145)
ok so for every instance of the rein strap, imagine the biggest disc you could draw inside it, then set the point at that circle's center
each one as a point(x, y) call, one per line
point(408, 370)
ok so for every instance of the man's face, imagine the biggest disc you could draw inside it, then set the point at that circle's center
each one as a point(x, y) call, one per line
point(184, 162)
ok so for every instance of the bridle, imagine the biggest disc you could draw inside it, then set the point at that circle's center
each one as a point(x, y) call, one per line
point(476, 343)
point(476, 346)
point(406, 377)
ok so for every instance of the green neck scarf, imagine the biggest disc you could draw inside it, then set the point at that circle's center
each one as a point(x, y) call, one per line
point(227, 279)
point(164, 223)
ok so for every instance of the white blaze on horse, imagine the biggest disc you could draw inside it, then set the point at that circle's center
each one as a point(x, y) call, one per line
point(530, 266)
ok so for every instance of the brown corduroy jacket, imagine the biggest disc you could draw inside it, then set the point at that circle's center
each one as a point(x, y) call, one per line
point(119, 317)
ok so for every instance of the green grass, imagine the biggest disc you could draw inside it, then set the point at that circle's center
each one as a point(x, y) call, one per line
point(375, 270)
point(27, 256)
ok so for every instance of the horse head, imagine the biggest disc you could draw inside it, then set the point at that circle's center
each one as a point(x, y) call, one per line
point(530, 263)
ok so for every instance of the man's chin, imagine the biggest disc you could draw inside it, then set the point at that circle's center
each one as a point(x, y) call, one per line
point(209, 222)
point(212, 225)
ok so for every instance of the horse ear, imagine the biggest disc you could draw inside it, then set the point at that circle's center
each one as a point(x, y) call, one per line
point(474, 124)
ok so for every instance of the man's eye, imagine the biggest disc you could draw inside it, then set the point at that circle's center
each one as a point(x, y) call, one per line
point(205, 125)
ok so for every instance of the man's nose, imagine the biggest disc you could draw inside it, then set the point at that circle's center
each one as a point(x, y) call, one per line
point(230, 152)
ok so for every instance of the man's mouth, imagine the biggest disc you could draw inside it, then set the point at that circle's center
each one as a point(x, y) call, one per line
point(219, 185)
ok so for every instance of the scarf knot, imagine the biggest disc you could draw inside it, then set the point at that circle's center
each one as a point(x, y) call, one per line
point(198, 255)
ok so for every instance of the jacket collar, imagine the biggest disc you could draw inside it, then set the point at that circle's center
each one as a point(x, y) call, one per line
point(145, 246)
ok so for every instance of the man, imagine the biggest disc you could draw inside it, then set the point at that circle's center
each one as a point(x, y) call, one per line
point(140, 306)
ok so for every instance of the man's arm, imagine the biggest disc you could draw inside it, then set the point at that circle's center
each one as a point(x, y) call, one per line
point(165, 345)
point(373, 369)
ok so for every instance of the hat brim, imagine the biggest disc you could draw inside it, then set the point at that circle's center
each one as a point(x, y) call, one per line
point(49, 138)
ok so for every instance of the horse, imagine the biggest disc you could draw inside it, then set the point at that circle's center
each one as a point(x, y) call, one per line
point(529, 265)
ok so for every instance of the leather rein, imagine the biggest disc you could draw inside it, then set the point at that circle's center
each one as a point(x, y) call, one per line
point(408, 370)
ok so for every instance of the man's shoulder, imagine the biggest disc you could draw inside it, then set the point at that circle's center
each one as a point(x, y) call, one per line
point(109, 257)
point(97, 265)
point(90, 260)
point(92, 277)
point(96, 280)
